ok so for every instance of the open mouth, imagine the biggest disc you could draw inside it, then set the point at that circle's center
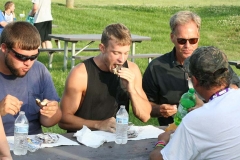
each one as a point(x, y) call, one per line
point(116, 69)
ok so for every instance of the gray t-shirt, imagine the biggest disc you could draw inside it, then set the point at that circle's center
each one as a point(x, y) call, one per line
point(36, 84)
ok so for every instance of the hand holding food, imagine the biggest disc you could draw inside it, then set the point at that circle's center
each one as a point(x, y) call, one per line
point(49, 108)
point(115, 70)
point(40, 103)
point(10, 105)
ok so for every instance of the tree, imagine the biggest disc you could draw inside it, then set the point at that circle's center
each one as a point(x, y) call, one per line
point(70, 3)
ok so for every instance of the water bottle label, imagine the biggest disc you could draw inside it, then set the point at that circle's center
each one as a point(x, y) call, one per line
point(122, 120)
point(21, 129)
point(181, 111)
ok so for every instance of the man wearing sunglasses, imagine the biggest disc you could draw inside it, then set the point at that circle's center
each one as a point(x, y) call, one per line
point(165, 79)
point(211, 131)
point(23, 80)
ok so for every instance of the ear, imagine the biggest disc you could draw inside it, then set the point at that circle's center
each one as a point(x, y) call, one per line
point(3, 48)
point(172, 37)
point(102, 48)
point(194, 81)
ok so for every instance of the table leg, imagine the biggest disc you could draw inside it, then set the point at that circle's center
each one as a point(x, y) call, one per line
point(73, 54)
point(133, 51)
point(65, 57)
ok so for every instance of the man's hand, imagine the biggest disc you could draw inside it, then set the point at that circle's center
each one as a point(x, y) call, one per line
point(199, 103)
point(233, 86)
point(49, 109)
point(165, 136)
point(127, 78)
point(168, 110)
point(108, 125)
point(10, 105)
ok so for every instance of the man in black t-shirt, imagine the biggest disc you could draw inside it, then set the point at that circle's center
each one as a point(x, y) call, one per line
point(165, 79)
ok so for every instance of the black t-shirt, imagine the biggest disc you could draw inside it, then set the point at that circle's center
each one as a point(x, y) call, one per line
point(104, 94)
point(165, 80)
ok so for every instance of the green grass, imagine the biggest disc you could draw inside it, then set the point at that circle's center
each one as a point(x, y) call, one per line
point(220, 28)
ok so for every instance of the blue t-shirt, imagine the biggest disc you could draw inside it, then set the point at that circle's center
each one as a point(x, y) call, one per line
point(37, 83)
point(2, 18)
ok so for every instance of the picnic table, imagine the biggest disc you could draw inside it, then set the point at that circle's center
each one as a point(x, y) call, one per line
point(90, 38)
point(134, 150)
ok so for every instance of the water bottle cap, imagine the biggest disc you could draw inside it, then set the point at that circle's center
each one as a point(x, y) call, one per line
point(122, 106)
point(21, 112)
point(191, 90)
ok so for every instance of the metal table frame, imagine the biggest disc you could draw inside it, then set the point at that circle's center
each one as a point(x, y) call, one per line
point(91, 38)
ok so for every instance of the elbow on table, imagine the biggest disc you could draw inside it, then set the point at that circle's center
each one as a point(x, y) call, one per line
point(145, 118)
point(63, 125)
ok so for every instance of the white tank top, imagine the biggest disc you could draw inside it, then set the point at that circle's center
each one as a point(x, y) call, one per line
point(8, 17)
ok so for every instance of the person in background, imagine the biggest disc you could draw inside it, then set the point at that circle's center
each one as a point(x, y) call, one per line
point(41, 11)
point(96, 88)
point(9, 11)
point(4, 147)
point(23, 80)
point(3, 22)
point(165, 79)
point(211, 131)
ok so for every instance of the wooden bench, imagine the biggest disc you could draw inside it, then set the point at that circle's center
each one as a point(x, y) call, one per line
point(53, 50)
point(149, 56)
point(235, 63)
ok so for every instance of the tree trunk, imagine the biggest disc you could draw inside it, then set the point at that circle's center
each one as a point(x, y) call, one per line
point(70, 3)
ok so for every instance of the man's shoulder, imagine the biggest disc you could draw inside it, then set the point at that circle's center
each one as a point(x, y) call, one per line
point(164, 59)
point(38, 68)
point(78, 72)
point(1, 16)
point(39, 65)
point(132, 65)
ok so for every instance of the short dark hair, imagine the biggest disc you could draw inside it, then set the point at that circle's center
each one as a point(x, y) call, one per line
point(21, 35)
point(117, 32)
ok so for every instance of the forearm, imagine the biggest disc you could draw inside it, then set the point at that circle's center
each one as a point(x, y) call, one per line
point(155, 154)
point(34, 9)
point(155, 110)
point(3, 23)
point(5, 151)
point(72, 122)
point(4, 148)
point(140, 106)
point(48, 122)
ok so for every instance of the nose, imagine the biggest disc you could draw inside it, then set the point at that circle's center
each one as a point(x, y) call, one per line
point(122, 58)
point(27, 62)
point(187, 44)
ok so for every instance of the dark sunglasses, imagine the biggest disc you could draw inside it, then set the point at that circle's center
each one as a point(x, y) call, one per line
point(23, 57)
point(184, 41)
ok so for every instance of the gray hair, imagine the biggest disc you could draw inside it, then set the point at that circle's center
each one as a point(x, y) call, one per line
point(183, 17)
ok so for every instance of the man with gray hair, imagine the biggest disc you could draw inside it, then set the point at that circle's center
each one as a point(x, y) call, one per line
point(211, 131)
point(165, 79)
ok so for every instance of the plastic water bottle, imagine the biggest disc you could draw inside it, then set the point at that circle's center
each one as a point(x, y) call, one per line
point(20, 134)
point(187, 101)
point(121, 125)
